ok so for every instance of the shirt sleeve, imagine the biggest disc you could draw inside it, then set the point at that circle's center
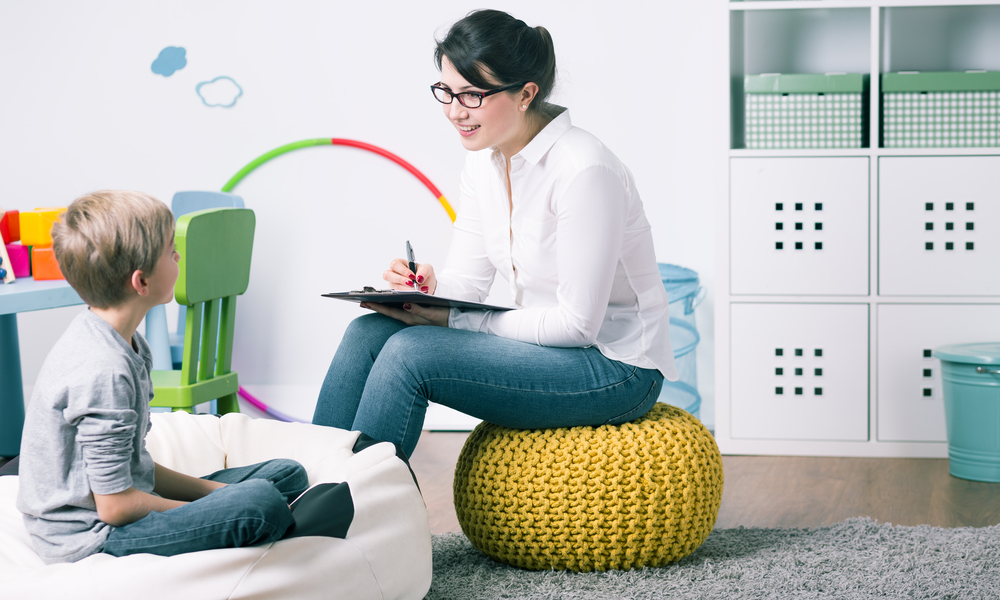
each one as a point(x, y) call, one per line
point(105, 424)
point(591, 220)
point(468, 272)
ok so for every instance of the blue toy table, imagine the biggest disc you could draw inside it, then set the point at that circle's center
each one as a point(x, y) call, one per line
point(23, 295)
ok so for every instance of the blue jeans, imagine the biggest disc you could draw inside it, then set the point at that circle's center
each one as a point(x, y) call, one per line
point(385, 372)
point(252, 509)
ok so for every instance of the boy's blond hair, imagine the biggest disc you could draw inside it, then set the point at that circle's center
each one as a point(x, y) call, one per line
point(104, 237)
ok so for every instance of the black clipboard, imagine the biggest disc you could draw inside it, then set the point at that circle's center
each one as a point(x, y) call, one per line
point(397, 298)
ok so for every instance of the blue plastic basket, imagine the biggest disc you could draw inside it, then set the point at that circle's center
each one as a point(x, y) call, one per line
point(970, 374)
point(684, 295)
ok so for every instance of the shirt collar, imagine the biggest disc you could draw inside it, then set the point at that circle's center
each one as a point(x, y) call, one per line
point(545, 138)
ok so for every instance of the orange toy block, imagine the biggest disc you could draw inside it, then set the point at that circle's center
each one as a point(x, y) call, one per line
point(44, 265)
point(10, 226)
point(36, 226)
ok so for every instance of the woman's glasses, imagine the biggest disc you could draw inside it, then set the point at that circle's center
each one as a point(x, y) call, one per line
point(467, 99)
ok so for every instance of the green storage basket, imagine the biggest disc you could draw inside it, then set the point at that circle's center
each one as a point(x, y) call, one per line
point(941, 110)
point(971, 377)
point(805, 111)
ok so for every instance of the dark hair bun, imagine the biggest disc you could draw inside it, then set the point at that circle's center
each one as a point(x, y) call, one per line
point(492, 45)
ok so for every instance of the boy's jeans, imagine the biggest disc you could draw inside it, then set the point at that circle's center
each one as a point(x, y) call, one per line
point(384, 373)
point(251, 510)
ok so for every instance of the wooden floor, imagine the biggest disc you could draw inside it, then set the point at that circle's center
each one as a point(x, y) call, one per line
point(767, 491)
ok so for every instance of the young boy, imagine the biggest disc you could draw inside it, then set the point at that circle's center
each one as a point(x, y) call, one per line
point(87, 483)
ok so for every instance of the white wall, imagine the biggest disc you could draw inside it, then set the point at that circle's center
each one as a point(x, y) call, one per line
point(81, 110)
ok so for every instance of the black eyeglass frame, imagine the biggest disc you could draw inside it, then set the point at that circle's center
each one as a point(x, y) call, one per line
point(479, 95)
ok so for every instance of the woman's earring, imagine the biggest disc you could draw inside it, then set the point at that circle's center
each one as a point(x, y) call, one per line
point(523, 107)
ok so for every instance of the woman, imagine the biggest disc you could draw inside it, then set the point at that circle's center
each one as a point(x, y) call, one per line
point(554, 212)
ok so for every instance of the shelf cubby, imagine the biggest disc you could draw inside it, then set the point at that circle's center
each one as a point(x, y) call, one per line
point(794, 41)
point(940, 38)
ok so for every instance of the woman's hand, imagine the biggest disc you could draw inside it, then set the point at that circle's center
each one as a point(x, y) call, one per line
point(412, 314)
point(400, 277)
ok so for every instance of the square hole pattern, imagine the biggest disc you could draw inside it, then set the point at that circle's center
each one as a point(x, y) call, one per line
point(798, 371)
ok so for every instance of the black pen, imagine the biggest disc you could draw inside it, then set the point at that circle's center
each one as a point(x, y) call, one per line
point(409, 257)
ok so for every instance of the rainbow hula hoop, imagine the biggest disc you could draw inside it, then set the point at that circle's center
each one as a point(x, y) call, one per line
point(340, 142)
point(232, 183)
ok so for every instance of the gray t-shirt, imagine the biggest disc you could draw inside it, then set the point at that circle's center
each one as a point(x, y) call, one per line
point(84, 432)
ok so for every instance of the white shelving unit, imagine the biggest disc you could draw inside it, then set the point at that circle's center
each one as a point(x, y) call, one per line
point(841, 269)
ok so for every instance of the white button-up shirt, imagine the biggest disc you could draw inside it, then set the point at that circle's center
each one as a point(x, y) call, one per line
point(576, 250)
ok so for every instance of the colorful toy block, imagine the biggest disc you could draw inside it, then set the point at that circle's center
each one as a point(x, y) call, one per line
point(20, 259)
point(6, 270)
point(44, 265)
point(10, 226)
point(36, 226)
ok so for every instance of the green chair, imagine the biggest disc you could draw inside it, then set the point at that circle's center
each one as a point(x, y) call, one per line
point(215, 247)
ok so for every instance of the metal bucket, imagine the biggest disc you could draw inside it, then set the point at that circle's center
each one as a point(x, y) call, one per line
point(971, 377)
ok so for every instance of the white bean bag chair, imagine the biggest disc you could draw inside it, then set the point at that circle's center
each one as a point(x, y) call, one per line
point(386, 553)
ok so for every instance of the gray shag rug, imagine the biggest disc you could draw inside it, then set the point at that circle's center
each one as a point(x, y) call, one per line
point(858, 558)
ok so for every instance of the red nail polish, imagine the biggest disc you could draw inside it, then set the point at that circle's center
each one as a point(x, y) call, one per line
point(406, 307)
point(412, 277)
point(420, 279)
point(409, 283)
point(424, 289)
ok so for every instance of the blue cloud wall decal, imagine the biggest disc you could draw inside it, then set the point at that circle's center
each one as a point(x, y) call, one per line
point(222, 91)
point(170, 60)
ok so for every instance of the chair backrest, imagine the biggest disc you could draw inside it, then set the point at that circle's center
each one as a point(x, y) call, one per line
point(215, 247)
point(191, 201)
point(188, 202)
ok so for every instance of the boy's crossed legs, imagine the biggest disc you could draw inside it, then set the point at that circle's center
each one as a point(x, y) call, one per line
point(252, 509)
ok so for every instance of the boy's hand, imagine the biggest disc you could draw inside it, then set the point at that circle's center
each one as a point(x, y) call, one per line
point(211, 486)
point(178, 486)
point(130, 505)
point(174, 489)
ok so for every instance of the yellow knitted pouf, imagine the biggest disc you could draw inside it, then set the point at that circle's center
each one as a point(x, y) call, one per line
point(641, 494)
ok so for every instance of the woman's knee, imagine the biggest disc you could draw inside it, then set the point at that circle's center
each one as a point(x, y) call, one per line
point(371, 329)
point(408, 348)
